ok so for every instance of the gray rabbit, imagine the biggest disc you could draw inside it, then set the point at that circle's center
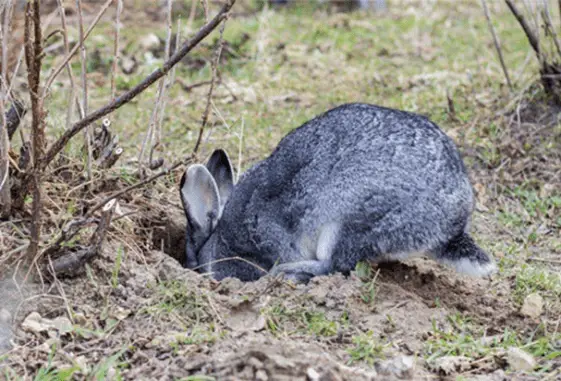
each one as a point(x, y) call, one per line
point(359, 182)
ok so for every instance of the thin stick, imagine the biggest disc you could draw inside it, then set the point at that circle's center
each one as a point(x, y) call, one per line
point(549, 25)
point(534, 42)
point(70, 109)
point(116, 52)
point(135, 186)
point(211, 88)
point(152, 133)
point(121, 100)
point(496, 42)
point(67, 58)
point(5, 194)
point(84, 105)
point(240, 150)
point(205, 9)
point(33, 56)
point(46, 24)
point(193, 12)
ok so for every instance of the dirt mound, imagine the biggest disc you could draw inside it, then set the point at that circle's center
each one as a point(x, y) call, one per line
point(145, 317)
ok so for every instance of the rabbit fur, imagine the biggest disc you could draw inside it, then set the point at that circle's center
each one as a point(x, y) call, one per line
point(359, 182)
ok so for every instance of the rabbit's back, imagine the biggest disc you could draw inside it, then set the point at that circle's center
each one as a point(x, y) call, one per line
point(357, 165)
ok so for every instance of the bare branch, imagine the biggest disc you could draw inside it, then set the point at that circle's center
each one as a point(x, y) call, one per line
point(84, 106)
point(497, 43)
point(71, 99)
point(211, 88)
point(152, 138)
point(14, 116)
point(136, 186)
point(33, 57)
point(143, 85)
point(532, 38)
point(116, 47)
point(70, 263)
point(5, 194)
point(67, 58)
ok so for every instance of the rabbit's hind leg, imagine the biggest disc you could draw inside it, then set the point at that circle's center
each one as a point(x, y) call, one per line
point(320, 261)
point(302, 271)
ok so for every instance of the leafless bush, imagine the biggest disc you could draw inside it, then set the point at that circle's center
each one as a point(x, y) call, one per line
point(18, 182)
point(538, 26)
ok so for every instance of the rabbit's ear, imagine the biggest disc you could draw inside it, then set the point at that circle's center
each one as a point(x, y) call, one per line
point(201, 201)
point(220, 168)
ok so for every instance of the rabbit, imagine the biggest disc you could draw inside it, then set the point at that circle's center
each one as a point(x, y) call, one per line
point(359, 182)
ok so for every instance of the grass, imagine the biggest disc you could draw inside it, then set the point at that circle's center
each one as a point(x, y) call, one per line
point(366, 348)
point(177, 297)
point(297, 320)
point(466, 338)
point(532, 279)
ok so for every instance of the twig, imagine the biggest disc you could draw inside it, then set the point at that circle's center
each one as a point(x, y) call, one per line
point(496, 42)
point(545, 260)
point(57, 146)
point(5, 194)
point(205, 9)
point(84, 105)
point(67, 58)
point(534, 42)
point(211, 88)
point(71, 99)
point(13, 117)
point(193, 12)
point(33, 56)
point(152, 134)
point(116, 51)
point(70, 263)
point(135, 186)
point(549, 26)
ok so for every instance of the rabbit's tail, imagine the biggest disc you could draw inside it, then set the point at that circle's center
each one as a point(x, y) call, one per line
point(463, 254)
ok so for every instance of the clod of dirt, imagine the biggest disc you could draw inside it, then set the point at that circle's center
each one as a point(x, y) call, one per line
point(532, 306)
point(35, 323)
point(520, 360)
point(246, 317)
point(287, 361)
point(402, 367)
point(451, 364)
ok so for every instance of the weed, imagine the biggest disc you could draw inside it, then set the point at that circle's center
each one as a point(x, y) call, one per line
point(534, 279)
point(117, 267)
point(177, 296)
point(369, 287)
point(366, 348)
point(283, 320)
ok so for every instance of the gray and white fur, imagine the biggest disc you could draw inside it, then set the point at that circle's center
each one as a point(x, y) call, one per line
point(359, 182)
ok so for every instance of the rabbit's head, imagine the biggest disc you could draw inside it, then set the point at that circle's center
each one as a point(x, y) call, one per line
point(204, 191)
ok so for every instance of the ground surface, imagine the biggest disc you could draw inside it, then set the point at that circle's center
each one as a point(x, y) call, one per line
point(134, 313)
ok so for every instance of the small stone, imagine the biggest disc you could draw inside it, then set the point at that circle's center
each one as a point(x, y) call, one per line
point(451, 364)
point(33, 323)
point(261, 375)
point(150, 42)
point(255, 362)
point(520, 360)
point(128, 65)
point(400, 366)
point(532, 306)
point(312, 374)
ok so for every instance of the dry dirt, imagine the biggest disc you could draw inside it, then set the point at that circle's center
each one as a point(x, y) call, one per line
point(160, 321)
